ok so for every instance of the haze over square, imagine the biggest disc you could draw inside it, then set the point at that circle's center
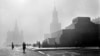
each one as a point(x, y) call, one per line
point(35, 16)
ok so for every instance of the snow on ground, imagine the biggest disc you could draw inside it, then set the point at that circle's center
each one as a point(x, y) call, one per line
point(5, 52)
point(18, 52)
point(30, 52)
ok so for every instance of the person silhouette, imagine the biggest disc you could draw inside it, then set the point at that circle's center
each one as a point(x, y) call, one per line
point(24, 47)
point(12, 46)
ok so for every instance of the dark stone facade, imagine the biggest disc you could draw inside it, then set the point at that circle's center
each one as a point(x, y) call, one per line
point(85, 33)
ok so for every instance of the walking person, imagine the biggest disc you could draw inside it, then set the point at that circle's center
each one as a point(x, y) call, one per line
point(24, 47)
point(39, 45)
point(12, 46)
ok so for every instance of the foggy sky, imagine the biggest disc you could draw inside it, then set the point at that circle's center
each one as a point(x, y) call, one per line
point(34, 16)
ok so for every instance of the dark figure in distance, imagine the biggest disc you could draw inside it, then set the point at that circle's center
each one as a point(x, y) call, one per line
point(38, 44)
point(55, 44)
point(24, 47)
point(12, 46)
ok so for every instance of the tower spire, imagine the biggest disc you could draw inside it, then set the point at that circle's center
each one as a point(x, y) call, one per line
point(55, 14)
point(55, 25)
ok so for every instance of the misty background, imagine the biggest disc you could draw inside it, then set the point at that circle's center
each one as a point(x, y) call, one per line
point(34, 16)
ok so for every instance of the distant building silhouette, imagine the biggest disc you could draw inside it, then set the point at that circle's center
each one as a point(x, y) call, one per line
point(86, 33)
point(55, 26)
point(46, 36)
point(14, 36)
point(51, 41)
point(83, 34)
